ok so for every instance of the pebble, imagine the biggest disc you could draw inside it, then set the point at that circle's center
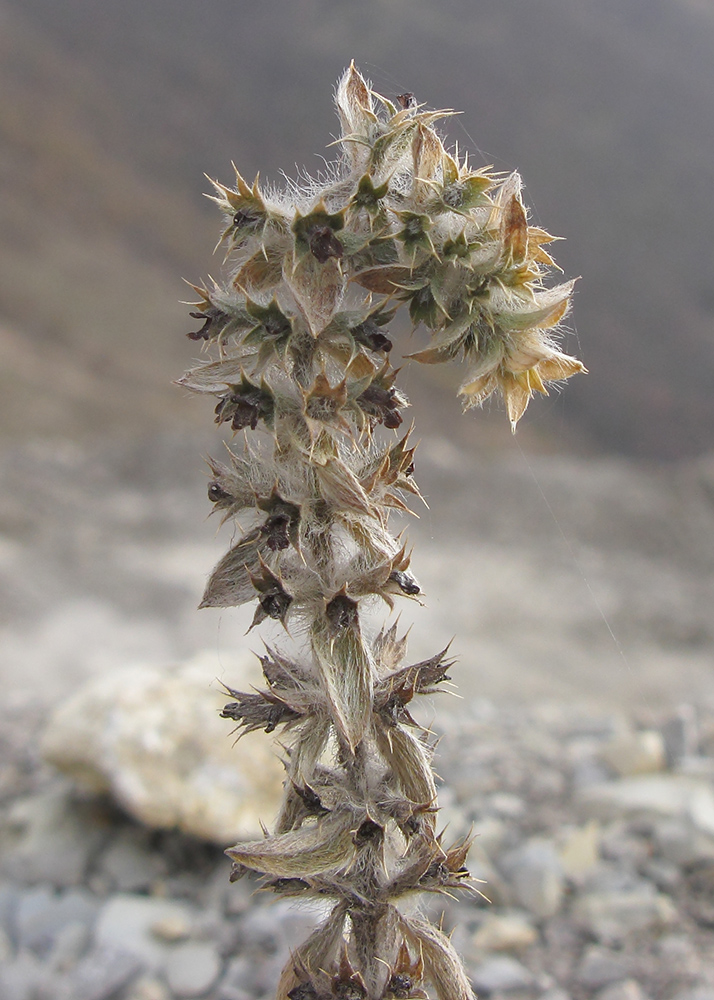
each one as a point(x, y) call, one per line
point(601, 967)
point(102, 974)
point(125, 923)
point(612, 916)
point(506, 805)
point(42, 915)
point(148, 988)
point(501, 974)
point(490, 834)
point(651, 797)
point(6, 949)
point(636, 753)
point(51, 838)
point(628, 989)
point(505, 932)
point(680, 734)
point(536, 875)
point(129, 862)
point(680, 843)
point(8, 903)
point(192, 969)
point(70, 944)
point(172, 928)
point(583, 878)
point(580, 850)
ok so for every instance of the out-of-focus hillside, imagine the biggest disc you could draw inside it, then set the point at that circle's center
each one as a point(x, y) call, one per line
point(582, 580)
point(109, 113)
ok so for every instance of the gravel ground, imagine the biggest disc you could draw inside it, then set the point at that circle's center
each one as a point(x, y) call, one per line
point(567, 583)
point(599, 879)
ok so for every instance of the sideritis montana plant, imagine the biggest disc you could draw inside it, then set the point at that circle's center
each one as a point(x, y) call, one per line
point(300, 342)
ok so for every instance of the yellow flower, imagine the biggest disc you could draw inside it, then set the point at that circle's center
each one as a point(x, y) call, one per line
point(518, 368)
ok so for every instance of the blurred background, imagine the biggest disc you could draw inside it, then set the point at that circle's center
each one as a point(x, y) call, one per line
point(572, 561)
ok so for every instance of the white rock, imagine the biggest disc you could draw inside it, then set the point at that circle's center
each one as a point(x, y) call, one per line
point(69, 945)
point(536, 875)
point(192, 969)
point(636, 753)
point(489, 834)
point(611, 916)
point(42, 915)
point(505, 932)
point(600, 967)
point(651, 797)
point(126, 924)
point(501, 974)
point(580, 850)
point(680, 843)
point(22, 978)
point(154, 739)
point(148, 988)
point(171, 929)
point(6, 948)
point(507, 805)
point(628, 989)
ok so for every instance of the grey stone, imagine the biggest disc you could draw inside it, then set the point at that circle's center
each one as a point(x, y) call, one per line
point(101, 975)
point(601, 967)
point(52, 838)
point(501, 974)
point(253, 975)
point(6, 949)
point(580, 849)
point(679, 734)
point(192, 969)
point(490, 833)
point(536, 875)
point(238, 981)
point(612, 916)
point(651, 797)
point(631, 753)
point(125, 924)
point(280, 926)
point(506, 805)
point(21, 978)
point(505, 932)
point(628, 989)
point(69, 945)
point(587, 773)
point(619, 843)
point(697, 766)
point(129, 863)
point(680, 956)
point(154, 739)
point(8, 903)
point(680, 843)
point(665, 875)
point(148, 988)
point(612, 876)
point(43, 914)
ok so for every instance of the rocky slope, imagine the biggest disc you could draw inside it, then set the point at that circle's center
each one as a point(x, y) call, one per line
point(111, 114)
